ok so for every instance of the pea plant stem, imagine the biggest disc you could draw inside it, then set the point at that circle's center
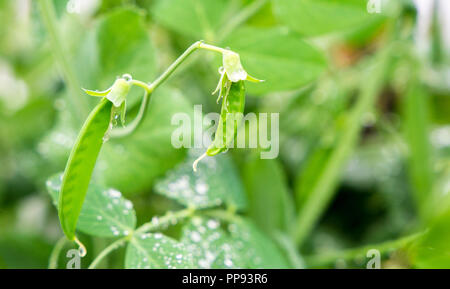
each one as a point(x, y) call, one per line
point(328, 258)
point(54, 256)
point(122, 132)
point(162, 222)
point(113, 246)
point(78, 104)
point(322, 193)
point(243, 15)
point(181, 59)
point(149, 88)
point(287, 245)
point(165, 220)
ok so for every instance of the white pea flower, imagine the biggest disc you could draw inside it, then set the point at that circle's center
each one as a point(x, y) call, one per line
point(231, 71)
point(117, 94)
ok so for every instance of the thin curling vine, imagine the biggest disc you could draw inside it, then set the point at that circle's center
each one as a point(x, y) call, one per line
point(102, 123)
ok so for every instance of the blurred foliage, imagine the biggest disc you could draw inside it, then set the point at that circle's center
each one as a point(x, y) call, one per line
point(364, 131)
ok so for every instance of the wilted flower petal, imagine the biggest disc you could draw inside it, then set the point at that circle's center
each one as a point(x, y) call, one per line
point(233, 67)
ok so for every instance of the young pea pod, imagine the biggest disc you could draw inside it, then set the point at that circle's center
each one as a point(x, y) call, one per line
point(80, 165)
point(231, 115)
point(83, 156)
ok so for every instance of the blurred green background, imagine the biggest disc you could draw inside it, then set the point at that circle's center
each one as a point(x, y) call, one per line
point(364, 103)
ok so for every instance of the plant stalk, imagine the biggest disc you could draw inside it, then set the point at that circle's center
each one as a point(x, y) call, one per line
point(328, 258)
point(323, 191)
point(165, 220)
point(54, 256)
point(78, 104)
point(113, 246)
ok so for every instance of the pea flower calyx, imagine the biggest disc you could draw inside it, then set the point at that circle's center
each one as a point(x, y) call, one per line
point(117, 94)
point(231, 71)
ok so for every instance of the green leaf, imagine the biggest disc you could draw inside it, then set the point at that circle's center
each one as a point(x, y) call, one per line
point(156, 251)
point(255, 247)
point(283, 60)
point(211, 246)
point(132, 163)
point(239, 244)
point(317, 17)
point(198, 19)
point(266, 187)
point(432, 251)
point(80, 165)
point(309, 176)
point(105, 212)
point(215, 183)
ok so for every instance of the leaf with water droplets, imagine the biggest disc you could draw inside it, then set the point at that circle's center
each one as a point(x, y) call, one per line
point(215, 183)
point(156, 251)
point(253, 246)
point(211, 246)
point(238, 244)
point(105, 213)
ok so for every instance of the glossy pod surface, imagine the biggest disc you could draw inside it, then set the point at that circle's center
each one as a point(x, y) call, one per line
point(80, 165)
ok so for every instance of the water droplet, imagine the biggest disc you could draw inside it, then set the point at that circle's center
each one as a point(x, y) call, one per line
point(201, 188)
point(203, 264)
point(114, 193)
point(195, 236)
point(213, 224)
point(128, 205)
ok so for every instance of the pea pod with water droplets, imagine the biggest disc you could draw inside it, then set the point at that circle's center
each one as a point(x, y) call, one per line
point(80, 165)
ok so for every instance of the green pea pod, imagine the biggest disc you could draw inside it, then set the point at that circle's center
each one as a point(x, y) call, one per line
point(230, 117)
point(80, 165)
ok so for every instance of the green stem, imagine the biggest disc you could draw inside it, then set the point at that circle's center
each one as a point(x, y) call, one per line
point(77, 103)
point(54, 256)
point(329, 258)
point(240, 18)
point(287, 244)
point(122, 132)
point(113, 246)
point(141, 84)
point(227, 216)
point(151, 226)
point(180, 59)
point(324, 189)
point(165, 220)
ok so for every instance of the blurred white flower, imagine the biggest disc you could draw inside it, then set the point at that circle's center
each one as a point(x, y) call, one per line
point(13, 91)
point(84, 8)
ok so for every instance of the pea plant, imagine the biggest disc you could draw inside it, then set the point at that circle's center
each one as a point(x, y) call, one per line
point(99, 127)
point(356, 173)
